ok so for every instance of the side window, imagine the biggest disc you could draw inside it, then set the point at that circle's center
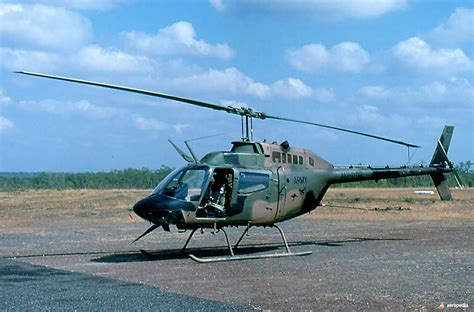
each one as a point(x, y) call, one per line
point(301, 159)
point(289, 158)
point(295, 159)
point(283, 158)
point(311, 161)
point(250, 182)
point(276, 157)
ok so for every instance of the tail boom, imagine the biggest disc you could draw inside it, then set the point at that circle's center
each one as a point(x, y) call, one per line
point(439, 166)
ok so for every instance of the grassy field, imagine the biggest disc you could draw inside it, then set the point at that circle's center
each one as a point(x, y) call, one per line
point(38, 206)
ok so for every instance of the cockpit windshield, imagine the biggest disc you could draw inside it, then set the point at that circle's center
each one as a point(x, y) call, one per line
point(186, 183)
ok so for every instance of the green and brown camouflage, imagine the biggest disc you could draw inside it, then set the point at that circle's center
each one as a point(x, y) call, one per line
point(283, 182)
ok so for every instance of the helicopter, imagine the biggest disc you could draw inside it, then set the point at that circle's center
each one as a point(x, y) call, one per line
point(258, 184)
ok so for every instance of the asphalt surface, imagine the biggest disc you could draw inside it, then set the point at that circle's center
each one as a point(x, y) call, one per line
point(27, 287)
point(356, 265)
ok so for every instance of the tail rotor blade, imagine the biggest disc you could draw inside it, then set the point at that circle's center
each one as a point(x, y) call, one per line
point(151, 229)
point(458, 179)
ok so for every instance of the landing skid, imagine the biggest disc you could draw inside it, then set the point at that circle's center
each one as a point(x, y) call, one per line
point(237, 258)
point(233, 257)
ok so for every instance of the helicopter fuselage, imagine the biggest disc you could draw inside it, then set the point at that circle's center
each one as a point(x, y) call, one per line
point(255, 183)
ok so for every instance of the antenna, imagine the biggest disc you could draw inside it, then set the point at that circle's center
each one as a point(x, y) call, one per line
point(200, 138)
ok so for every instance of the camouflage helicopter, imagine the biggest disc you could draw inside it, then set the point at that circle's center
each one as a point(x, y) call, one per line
point(258, 184)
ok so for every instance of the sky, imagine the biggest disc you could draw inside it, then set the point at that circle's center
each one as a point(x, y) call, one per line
point(396, 68)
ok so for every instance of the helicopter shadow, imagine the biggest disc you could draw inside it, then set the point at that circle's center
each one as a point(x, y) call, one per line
point(343, 242)
point(219, 251)
point(177, 254)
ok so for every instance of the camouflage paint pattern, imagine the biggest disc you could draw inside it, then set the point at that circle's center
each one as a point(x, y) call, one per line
point(298, 180)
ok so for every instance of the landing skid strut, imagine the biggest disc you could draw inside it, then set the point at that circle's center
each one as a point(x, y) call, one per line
point(233, 257)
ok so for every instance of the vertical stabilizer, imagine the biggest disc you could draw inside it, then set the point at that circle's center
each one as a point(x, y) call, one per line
point(441, 184)
point(442, 146)
point(440, 157)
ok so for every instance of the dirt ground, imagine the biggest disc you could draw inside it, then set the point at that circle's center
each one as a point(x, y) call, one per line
point(373, 249)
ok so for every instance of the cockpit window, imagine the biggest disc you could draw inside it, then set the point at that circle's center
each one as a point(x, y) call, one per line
point(185, 184)
point(250, 182)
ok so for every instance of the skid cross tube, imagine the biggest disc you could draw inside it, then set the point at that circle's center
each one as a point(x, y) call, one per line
point(188, 240)
point(242, 236)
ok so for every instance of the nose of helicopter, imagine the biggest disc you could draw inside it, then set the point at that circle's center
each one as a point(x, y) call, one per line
point(161, 209)
point(144, 208)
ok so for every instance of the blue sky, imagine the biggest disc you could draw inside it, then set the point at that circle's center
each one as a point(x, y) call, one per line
point(401, 69)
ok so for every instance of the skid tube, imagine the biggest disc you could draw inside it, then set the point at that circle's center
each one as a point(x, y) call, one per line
point(233, 257)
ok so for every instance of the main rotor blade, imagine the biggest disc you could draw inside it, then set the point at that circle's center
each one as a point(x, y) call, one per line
point(128, 89)
point(242, 111)
point(344, 130)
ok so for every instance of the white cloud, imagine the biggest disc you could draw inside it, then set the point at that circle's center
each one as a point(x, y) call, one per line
point(83, 107)
point(179, 127)
point(259, 90)
point(92, 58)
point(219, 5)
point(372, 116)
point(376, 92)
point(96, 58)
point(4, 98)
point(418, 55)
point(89, 109)
point(42, 27)
point(344, 57)
point(177, 39)
point(458, 28)
point(13, 59)
point(317, 9)
point(324, 95)
point(143, 123)
point(292, 88)
point(231, 81)
point(5, 124)
point(453, 89)
point(100, 5)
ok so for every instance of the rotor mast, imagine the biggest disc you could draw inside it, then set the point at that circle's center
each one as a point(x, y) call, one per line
point(246, 121)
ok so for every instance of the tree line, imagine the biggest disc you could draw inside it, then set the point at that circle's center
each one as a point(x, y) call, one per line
point(116, 179)
point(148, 178)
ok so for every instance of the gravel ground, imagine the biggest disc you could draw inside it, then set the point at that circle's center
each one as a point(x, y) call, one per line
point(27, 287)
point(357, 265)
point(368, 264)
